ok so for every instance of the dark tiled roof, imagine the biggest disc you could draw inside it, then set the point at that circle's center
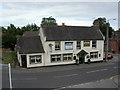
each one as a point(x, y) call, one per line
point(27, 45)
point(31, 33)
point(64, 33)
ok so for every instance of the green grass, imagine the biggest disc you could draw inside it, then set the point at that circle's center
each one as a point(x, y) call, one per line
point(9, 57)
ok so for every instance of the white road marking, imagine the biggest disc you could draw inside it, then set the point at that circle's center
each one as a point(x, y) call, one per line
point(10, 78)
point(97, 71)
point(66, 75)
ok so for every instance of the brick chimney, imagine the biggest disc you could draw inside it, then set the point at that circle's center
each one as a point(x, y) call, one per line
point(63, 24)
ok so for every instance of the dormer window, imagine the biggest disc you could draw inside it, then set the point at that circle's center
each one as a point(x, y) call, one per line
point(57, 45)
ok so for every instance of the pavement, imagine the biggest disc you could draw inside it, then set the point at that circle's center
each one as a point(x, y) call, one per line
point(112, 82)
point(60, 67)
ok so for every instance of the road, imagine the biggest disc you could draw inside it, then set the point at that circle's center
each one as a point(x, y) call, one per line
point(61, 76)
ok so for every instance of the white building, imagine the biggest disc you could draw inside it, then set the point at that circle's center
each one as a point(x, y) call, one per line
point(57, 45)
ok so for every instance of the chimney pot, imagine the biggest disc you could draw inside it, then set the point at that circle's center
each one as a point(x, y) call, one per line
point(63, 24)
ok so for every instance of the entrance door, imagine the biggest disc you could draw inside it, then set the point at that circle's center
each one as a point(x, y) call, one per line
point(81, 58)
point(24, 61)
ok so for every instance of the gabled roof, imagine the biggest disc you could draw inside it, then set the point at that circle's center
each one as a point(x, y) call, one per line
point(27, 45)
point(82, 52)
point(31, 33)
point(64, 33)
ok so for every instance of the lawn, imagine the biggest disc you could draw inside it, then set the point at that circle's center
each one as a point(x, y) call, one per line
point(9, 57)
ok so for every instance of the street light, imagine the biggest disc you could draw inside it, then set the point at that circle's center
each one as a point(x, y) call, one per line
point(107, 38)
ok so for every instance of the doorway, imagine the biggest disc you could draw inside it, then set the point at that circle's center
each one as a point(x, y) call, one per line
point(24, 61)
point(81, 58)
point(81, 55)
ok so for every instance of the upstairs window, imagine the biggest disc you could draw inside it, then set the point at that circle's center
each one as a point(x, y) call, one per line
point(57, 45)
point(78, 44)
point(94, 44)
point(68, 45)
point(86, 43)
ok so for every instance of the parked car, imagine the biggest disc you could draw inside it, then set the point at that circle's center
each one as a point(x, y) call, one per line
point(109, 56)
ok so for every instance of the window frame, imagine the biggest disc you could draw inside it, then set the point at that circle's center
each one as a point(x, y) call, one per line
point(94, 45)
point(57, 45)
point(84, 43)
point(35, 57)
point(69, 46)
point(56, 58)
point(78, 45)
point(68, 55)
point(94, 55)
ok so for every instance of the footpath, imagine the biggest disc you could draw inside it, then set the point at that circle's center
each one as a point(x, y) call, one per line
point(59, 68)
point(112, 83)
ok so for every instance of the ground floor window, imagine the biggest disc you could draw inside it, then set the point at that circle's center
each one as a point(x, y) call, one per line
point(61, 57)
point(35, 59)
point(56, 58)
point(67, 57)
point(94, 54)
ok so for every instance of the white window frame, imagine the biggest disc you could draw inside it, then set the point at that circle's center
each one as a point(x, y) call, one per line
point(78, 45)
point(70, 47)
point(94, 45)
point(56, 57)
point(93, 55)
point(86, 42)
point(57, 45)
point(67, 56)
point(35, 59)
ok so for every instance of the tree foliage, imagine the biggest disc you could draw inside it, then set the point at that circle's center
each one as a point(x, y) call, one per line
point(9, 34)
point(48, 21)
point(103, 25)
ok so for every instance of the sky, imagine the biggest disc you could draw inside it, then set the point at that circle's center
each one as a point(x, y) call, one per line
point(70, 13)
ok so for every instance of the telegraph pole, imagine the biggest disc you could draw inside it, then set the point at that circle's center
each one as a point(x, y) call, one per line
point(107, 41)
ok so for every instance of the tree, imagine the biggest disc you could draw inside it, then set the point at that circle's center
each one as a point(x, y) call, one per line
point(103, 24)
point(4, 30)
point(48, 21)
point(9, 34)
point(11, 29)
point(8, 40)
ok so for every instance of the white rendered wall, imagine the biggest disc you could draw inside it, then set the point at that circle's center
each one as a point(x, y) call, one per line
point(99, 49)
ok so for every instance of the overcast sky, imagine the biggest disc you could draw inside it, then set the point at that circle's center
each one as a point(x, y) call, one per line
point(75, 14)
